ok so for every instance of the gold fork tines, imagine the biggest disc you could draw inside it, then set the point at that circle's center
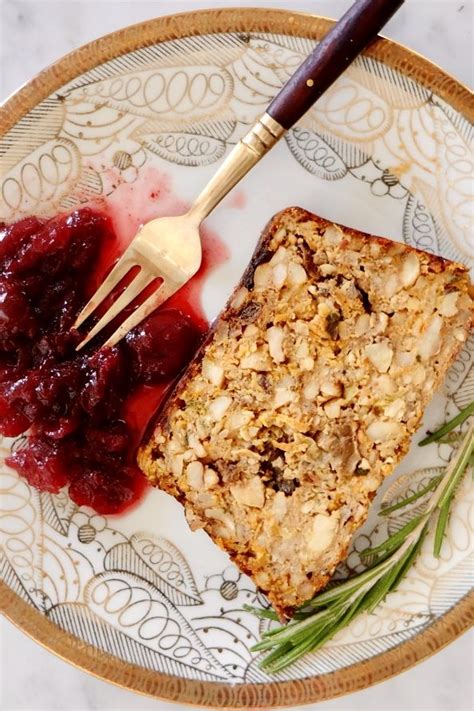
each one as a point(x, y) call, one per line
point(170, 247)
point(139, 282)
point(164, 248)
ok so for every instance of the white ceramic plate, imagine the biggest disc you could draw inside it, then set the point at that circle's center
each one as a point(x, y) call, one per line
point(139, 599)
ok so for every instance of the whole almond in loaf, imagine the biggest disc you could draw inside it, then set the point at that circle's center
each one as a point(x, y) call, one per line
point(305, 395)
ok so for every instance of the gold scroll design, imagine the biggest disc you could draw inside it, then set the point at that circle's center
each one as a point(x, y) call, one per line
point(21, 533)
point(370, 108)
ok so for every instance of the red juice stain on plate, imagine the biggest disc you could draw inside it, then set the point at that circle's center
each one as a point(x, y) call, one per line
point(151, 196)
point(237, 200)
point(84, 414)
point(130, 206)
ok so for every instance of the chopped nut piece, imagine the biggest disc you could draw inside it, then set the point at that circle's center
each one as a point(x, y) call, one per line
point(194, 522)
point(323, 531)
point(211, 478)
point(250, 331)
point(302, 350)
point(296, 274)
point(331, 388)
point(250, 493)
point(283, 395)
point(410, 269)
point(256, 361)
point(404, 359)
point(380, 355)
point(213, 372)
point(195, 474)
point(332, 408)
point(311, 389)
point(431, 340)
point(262, 276)
point(239, 419)
point(382, 431)
point(239, 298)
point(219, 406)
point(448, 304)
point(219, 515)
point(280, 257)
point(177, 463)
point(196, 445)
point(395, 409)
point(418, 374)
point(275, 337)
point(391, 285)
point(382, 323)
point(386, 385)
point(279, 506)
point(280, 272)
point(362, 325)
point(333, 235)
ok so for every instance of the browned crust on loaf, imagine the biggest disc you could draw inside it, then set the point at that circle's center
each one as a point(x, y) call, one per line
point(261, 252)
point(151, 454)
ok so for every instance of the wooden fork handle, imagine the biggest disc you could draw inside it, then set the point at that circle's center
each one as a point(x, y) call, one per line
point(342, 44)
point(332, 55)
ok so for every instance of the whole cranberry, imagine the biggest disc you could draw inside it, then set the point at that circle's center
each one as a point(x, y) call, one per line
point(13, 421)
point(65, 243)
point(16, 317)
point(162, 345)
point(13, 237)
point(42, 463)
point(105, 491)
point(105, 382)
point(46, 394)
point(107, 440)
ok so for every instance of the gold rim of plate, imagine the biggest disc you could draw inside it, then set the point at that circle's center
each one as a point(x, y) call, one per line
point(101, 664)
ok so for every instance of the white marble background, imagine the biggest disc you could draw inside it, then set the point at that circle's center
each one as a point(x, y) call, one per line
point(33, 33)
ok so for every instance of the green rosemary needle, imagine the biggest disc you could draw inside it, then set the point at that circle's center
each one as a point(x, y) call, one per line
point(386, 510)
point(448, 426)
point(323, 616)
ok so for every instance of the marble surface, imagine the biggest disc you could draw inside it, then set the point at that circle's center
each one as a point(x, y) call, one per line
point(32, 678)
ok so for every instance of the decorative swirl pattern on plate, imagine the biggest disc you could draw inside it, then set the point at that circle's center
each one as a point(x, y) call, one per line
point(42, 179)
point(381, 135)
point(160, 563)
point(315, 154)
point(193, 92)
point(81, 621)
point(20, 532)
point(130, 603)
point(371, 111)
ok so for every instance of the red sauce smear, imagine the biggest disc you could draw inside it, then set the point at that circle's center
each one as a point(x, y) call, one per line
point(83, 415)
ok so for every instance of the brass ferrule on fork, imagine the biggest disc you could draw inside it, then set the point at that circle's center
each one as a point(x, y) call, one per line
point(263, 135)
point(249, 150)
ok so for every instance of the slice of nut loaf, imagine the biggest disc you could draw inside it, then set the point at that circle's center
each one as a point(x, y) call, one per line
point(304, 397)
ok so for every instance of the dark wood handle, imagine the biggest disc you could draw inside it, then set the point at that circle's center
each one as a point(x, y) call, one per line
point(342, 44)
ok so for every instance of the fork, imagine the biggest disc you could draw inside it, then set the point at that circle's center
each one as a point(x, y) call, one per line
point(169, 248)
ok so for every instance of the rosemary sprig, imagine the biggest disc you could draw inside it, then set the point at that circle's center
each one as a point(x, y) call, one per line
point(453, 476)
point(448, 426)
point(445, 494)
point(323, 616)
point(343, 602)
point(386, 510)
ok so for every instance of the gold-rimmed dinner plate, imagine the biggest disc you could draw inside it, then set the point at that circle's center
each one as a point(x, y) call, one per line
point(139, 599)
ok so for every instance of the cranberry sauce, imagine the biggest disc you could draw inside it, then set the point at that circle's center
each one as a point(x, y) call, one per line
point(83, 414)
